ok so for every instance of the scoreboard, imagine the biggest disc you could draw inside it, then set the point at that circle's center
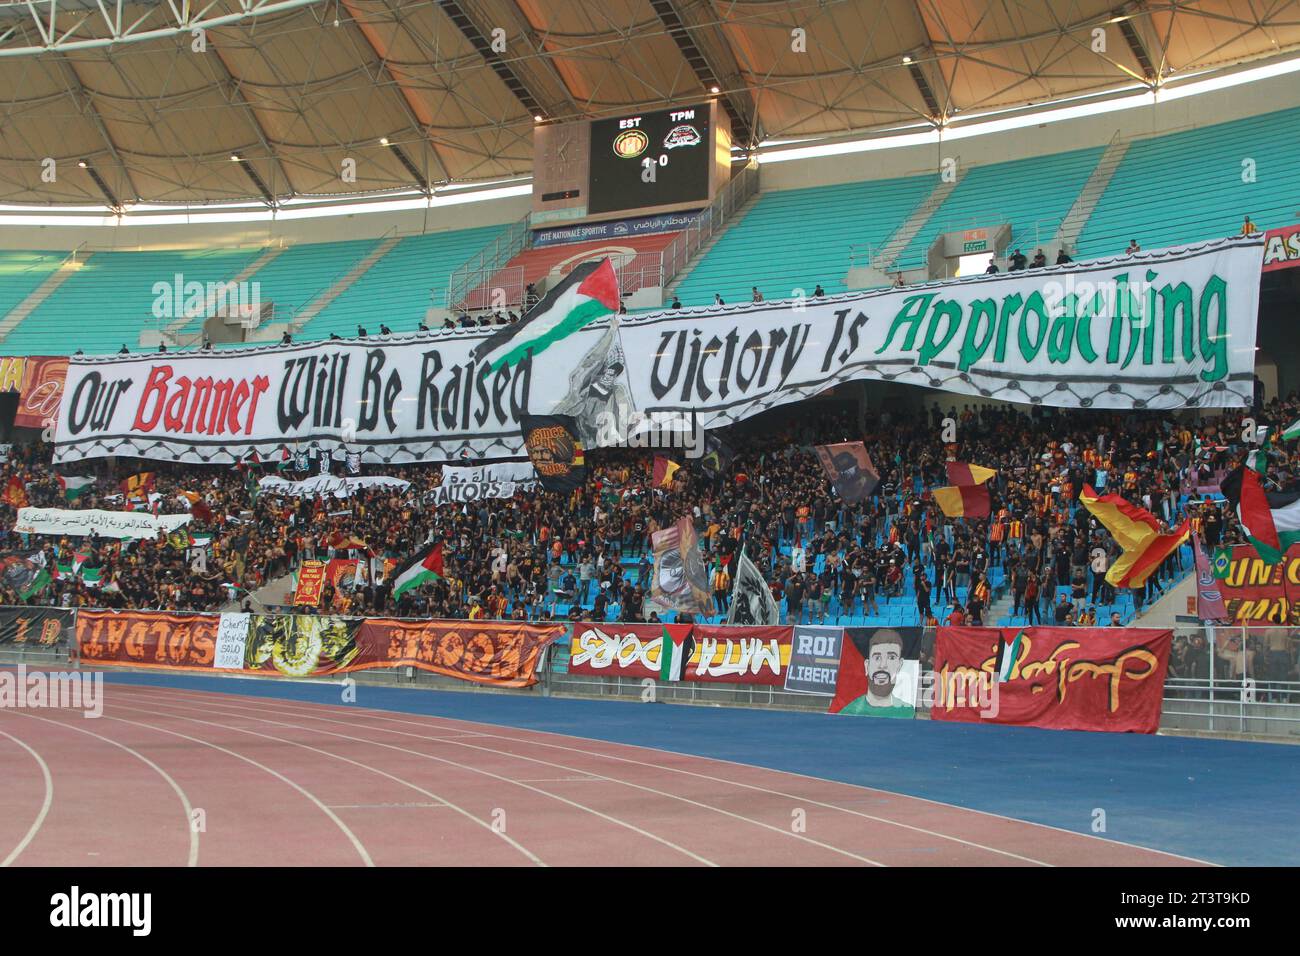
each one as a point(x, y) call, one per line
point(633, 164)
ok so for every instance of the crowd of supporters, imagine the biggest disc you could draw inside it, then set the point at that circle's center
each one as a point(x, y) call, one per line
point(588, 553)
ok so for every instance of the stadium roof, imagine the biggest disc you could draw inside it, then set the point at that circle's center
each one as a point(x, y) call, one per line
point(159, 98)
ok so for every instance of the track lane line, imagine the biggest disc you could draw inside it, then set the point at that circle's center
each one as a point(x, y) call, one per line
point(193, 858)
point(45, 804)
point(458, 724)
point(597, 813)
point(625, 783)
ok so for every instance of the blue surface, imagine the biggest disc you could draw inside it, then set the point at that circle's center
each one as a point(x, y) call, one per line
point(1229, 802)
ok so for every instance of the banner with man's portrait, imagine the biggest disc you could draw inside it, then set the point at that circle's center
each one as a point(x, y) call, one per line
point(880, 672)
point(680, 582)
point(849, 468)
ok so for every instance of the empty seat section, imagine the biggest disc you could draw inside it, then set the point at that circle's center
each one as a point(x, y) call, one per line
point(399, 289)
point(1031, 195)
point(796, 238)
point(1196, 185)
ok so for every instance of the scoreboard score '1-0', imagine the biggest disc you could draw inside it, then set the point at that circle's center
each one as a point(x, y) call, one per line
point(664, 160)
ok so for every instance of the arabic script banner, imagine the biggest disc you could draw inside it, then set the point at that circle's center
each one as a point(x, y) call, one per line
point(718, 654)
point(1064, 678)
point(106, 524)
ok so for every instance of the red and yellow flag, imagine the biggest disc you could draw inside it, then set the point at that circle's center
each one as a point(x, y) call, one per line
point(961, 474)
point(964, 501)
point(15, 493)
point(1138, 534)
point(137, 486)
point(665, 469)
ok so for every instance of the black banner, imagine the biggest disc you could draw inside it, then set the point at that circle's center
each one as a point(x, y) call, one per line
point(36, 627)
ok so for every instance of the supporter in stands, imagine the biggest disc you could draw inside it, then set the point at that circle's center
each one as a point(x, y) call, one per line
point(898, 281)
point(384, 330)
point(677, 303)
point(1039, 261)
point(1016, 261)
point(286, 339)
point(755, 296)
point(992, 269)
point(1062, 257)
point(124, 350)
point(717, 299)
point(819, 291)
point(896, 540)
point(1132, 247)
point(1248, 228)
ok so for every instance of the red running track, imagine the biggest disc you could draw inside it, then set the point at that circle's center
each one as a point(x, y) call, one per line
point(175, 777)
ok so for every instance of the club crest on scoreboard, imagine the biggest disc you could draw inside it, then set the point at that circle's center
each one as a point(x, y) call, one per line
point(682, 136)
point(631, 143)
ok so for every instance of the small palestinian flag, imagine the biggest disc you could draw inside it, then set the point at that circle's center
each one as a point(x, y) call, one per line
point(1292, 431)
point(74, 487)
point(1221, 566)
point(419, 568)
point(1008, 654)
point(588, 293)
point(675, 651)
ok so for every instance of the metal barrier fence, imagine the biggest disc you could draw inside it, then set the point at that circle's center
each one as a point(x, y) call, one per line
point(1221, 680)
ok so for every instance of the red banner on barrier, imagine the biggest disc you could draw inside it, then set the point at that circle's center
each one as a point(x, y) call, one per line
point(504, 654)
point(148, 638)
point(740, 655)
point(1064, 678)
point(718, 654)
point(1258, 593)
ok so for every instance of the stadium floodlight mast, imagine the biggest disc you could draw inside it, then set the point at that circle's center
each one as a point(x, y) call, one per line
point(66, 25)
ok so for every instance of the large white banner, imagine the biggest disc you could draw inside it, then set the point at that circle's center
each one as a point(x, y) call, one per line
point(1171, 328)
point(322, 486)
point(106, 524)
point(501, 479)
point(232, 636)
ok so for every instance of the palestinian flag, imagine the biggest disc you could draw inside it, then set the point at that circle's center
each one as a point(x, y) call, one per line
point(1271, 520)
point(74, 487)
point(588, 293)
point(419, 568)
point(1138, 534)
point(962, 474)
point(1008, 654)
point(665, 468)
point(1292, 431)
point(678, 644)
point(964, 501)
point(1257, 460)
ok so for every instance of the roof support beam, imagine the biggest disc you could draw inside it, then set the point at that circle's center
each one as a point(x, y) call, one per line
point(456, 13)
point(740, 104)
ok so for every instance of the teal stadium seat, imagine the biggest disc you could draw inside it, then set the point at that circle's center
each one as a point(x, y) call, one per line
point(797, 238)
point(399, 289)
point(1032, 195)
point(1188, 187)
point(109, 301)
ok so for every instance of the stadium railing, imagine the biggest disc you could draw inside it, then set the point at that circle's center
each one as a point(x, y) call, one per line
point(1244, 688)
